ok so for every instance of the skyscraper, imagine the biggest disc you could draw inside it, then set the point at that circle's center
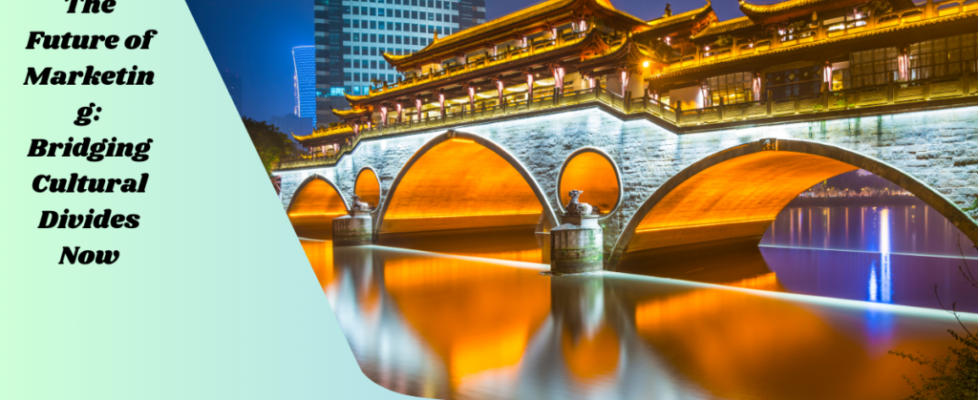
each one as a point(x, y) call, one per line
point(304, 58)
point(471, 13)
point(233, 83)
point(351, 37)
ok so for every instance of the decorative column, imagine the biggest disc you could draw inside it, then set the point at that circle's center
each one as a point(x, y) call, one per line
point(383, 116)
point(756, 86)
point(354, 229)
point(529, 86)
point(827, 76)
point(499, 88)
point(471, 91)
point(903, 64)
point(441, 103)
point(558, 73)
point(624, 81)
point(400, 111)
point(576, 245)
point(417, 105)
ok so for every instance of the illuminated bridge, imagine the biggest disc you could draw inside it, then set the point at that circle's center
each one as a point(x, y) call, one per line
point(655, 190)
point(682, 131)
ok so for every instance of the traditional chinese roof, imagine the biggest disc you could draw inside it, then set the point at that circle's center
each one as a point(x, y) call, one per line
point(688, 16)
point(511, 23)
point(591, 45)
point(628, 52)
point(962, 19)
point(795, 8)
point(720, 28)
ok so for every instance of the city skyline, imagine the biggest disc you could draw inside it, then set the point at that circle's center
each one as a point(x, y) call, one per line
point(254, 39)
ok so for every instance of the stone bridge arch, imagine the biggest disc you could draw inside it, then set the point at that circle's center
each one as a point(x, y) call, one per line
point(735, 194)
point(315, 203)
point(460, 180)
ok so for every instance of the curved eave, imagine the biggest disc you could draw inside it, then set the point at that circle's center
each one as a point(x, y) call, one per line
point(352, 99)
point(828, 42)
point(627, 50)
point(688, 16)
point(328, 134)
point(724, 27)
point(352, 112)
point(394, 59)
point(793, 8)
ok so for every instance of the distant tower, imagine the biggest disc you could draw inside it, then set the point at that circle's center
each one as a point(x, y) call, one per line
point(233, 83)
point(304, 58)
point(471, 13)
point(351, 38)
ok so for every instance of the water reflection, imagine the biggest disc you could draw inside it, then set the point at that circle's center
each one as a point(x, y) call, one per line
point(887, 254)
point(912, 228)
point(442, 326)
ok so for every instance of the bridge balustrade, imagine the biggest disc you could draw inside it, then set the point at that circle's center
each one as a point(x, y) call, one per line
point(912, 95)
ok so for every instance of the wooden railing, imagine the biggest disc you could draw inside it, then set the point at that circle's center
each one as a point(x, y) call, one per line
point(912, 95)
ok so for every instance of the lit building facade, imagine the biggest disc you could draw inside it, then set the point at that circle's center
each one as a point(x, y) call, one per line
point(353, 36)
point(304, 59)
point(686, 72)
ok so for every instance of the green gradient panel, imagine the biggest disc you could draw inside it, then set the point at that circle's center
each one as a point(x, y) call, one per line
point(213, 296)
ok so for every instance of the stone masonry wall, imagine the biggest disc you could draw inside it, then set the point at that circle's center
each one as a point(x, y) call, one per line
point(938, 148)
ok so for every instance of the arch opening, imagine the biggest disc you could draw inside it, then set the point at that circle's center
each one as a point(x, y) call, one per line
point(466, 195)
point(724, 204)
point(368, 187)
point(594, 173)
point(312, 209)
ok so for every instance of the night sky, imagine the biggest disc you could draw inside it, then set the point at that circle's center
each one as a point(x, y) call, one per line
point(254, 39)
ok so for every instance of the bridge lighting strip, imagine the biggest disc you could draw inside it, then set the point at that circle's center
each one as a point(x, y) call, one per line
point(774, 246)
point(515, 264)
point(902, 310)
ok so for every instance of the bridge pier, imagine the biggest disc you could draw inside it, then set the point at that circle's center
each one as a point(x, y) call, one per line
point(576, 246)
point(355, 229)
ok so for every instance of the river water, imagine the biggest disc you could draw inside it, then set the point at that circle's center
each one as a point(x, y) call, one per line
point(835, 289)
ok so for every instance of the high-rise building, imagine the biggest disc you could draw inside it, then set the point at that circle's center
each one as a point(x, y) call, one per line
point(304, 58)
point(233, 83)
point(471, 13)
point(351, 37)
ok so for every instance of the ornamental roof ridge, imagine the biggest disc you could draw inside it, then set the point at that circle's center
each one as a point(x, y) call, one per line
point(664, 21)
point(729, 25)
point(789, 6)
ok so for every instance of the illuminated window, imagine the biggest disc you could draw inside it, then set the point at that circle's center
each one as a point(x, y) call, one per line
point(732, 88)
point(873, 67)
point(942, 57)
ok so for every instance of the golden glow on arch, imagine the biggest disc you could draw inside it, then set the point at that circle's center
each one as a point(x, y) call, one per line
point(368, 187)
point(314, 207)
point(460, 184)
point(591, 172)
point(734, 199)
